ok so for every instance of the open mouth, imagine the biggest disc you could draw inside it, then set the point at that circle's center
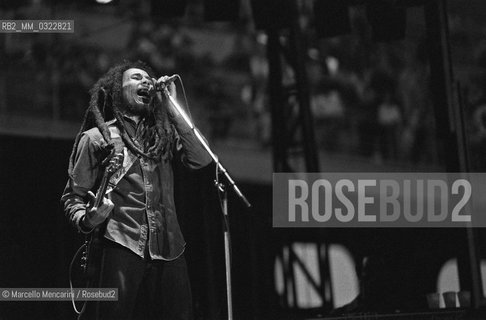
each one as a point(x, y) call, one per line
point(144, 95)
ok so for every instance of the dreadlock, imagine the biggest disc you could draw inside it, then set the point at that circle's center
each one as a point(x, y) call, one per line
point(106, 104)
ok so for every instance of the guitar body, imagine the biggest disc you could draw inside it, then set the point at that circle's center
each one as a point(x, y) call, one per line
point(93, 253)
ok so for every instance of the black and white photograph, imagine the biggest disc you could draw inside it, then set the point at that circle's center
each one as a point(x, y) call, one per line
point(243, 159)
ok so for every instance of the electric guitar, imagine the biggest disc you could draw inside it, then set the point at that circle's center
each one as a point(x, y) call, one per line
point(92, 245)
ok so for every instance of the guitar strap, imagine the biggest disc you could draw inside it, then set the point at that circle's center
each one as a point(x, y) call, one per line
point(128, 160)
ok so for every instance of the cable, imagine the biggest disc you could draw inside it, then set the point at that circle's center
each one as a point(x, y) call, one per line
point(185, 98)
point(71, 280)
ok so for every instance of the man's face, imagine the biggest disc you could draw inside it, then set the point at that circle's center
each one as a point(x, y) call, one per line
point(136, 87)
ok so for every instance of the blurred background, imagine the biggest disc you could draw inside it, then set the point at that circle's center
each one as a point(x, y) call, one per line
point(275, 86)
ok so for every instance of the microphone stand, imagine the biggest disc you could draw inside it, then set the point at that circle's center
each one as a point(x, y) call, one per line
point(221, 188)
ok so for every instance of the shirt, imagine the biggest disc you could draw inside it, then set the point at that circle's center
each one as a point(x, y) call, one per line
point(144, 212)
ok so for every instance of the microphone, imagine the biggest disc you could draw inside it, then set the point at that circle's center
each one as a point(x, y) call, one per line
point(161, 84)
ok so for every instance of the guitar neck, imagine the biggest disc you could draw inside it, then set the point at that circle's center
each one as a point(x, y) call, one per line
point(115, 163)
point(101, 190)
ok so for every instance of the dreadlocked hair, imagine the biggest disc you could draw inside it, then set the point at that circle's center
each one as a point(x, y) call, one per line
point(106, 104)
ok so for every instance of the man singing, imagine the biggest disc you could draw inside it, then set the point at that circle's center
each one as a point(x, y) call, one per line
point(142, 245)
